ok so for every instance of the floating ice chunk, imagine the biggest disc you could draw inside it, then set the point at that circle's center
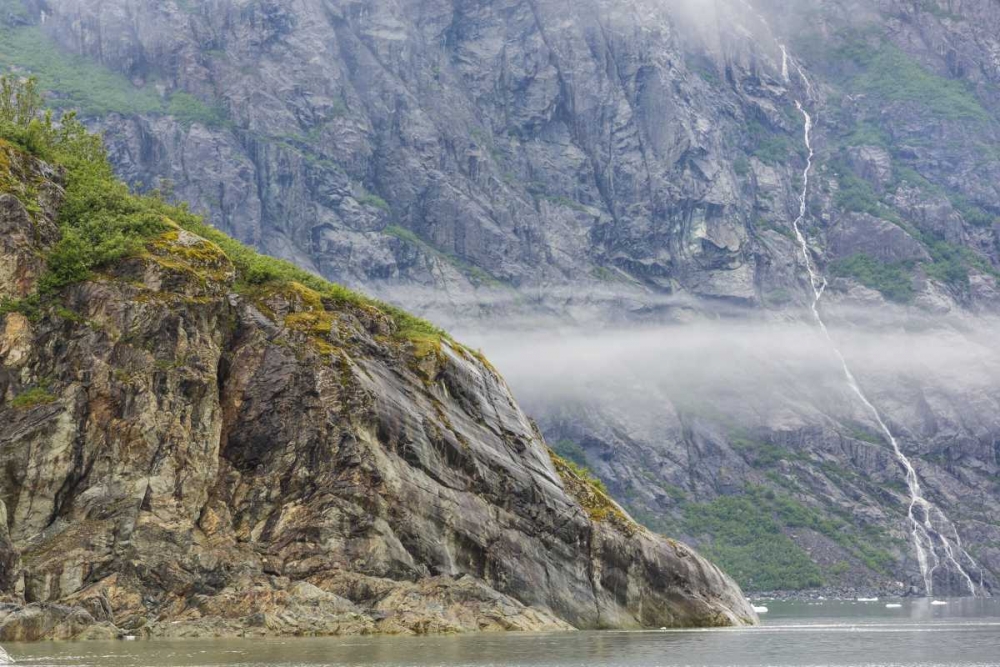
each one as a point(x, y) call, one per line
point(5, 658)
point(867, 599)
point(760, 609)
point(893, 605)
point(938, 603)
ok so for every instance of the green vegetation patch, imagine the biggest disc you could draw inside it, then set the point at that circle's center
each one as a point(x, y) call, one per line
point(189, 110)
point(571, 451)
point(950, 263)
point(761, 454)
point(13, 11)
point(973, 213)
point(90, 87)
point(471, 270)
point(888, 73)
point(743, 534)
point(893, 280)
point(746, 536)
point(591, 493)
point(32, 397)
point(369, 199)
point(768, 146)
point(856, 194)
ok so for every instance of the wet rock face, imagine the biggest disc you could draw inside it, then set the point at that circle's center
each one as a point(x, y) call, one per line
point(181, 460)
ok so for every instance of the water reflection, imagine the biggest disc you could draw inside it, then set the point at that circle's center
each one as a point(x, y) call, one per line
point(964, 633)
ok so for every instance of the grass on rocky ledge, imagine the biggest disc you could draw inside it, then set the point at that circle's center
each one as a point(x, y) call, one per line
point(32, 397)
point(592, 495)
point(894, 280)
point(101, 221)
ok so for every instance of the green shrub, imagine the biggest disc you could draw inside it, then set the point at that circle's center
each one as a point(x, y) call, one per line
point(188, 109)
point(30, 307)
point(949, 265)
point(571, 451)
point(368, 199)
point(840, 568)
point(886, 72)
point(761, 454)
point(769, 146)
point(747, 542)
point(854, 193)
point(867, 134)
point(867, 436)
point(586, 475)
point(892, 280)
point(13, 11)
point(972, 213)
point(20, 101)
point(31, 398)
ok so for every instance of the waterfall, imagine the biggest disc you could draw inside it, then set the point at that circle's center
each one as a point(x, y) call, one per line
point(926, 538)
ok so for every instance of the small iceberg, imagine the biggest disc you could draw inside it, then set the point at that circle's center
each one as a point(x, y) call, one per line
point(867, 599)
point(893, 605)
point(5, 658)
point(760, 609)
point(938, 603)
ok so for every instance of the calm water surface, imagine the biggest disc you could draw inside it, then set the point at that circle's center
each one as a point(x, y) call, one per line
point(965, 633)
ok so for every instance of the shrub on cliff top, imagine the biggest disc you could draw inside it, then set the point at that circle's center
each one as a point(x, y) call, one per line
point(102, 221)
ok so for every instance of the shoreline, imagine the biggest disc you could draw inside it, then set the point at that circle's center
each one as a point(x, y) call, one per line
point(839, 595)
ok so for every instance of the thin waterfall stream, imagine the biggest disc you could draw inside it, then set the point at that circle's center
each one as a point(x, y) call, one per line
point(927, 539)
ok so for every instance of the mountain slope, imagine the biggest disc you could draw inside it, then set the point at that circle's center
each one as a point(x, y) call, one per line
point(199, 440)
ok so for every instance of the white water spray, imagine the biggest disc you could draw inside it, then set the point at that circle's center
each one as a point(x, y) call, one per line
point(925, 535)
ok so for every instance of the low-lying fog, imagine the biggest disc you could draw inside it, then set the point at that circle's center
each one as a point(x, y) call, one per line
point(750, 371)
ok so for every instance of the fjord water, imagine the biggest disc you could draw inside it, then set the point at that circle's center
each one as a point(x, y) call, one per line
point(963, 633)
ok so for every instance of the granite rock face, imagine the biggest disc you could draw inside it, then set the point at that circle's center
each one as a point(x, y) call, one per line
point(179, 460)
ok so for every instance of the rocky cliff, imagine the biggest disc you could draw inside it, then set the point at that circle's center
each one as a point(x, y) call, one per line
point(627, 145)
point(183, 453)
point(622, 161)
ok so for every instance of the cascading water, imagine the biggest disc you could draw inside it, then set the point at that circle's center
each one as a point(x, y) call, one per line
point(927, 540)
